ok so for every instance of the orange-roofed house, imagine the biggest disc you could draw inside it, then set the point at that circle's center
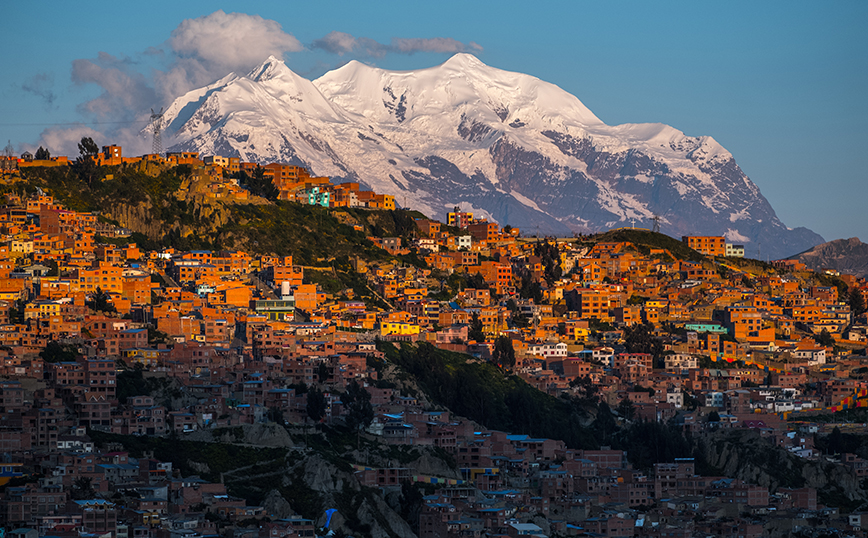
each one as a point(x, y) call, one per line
point(105, 276)
point(709, 245)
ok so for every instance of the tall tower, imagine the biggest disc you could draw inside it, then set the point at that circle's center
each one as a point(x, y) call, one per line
point(156, 127)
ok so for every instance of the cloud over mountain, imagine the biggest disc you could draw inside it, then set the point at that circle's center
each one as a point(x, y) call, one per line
point(503, 144)
point(199, 51)
point(342, 43)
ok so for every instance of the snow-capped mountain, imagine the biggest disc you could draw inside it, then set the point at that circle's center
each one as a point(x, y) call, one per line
point(504, 145)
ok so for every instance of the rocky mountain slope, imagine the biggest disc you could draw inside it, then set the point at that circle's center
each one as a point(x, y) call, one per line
point(845, 255)
point(504, 145)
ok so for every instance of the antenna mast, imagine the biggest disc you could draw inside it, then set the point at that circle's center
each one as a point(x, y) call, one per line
point(656, 219)
point(157, 126)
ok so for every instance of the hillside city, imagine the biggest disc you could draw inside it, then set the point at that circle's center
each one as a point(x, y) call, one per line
point(108, 345)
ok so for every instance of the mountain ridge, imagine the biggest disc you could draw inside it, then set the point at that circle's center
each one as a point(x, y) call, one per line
point(844, 255)
point(507, 146)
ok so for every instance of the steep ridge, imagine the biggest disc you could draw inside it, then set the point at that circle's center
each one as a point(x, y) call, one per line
point(505, 145)
point(844, 255)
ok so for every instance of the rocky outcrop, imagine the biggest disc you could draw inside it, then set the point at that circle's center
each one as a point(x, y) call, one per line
point(259, 434)
point(276, 505)
point(848, 256)
point(358, 509)
point(743, 454)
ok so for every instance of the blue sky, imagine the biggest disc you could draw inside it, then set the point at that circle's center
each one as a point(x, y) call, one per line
point(781, 85)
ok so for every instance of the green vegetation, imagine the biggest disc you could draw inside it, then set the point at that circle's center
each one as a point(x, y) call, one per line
point(383, 223)
point(357, 401)
point(57, 352)
point(310, 233)
point(257, 184)
point(313, 235)
point(220, 457)
point(481, 392)
point(647, 443)
point(645, 240)
point(551, 259)
point(856, 301)
point(316, 404)
point(100, 301)
point(822, 279)
point(640, 339)
point(750, 265)
point(133, 383)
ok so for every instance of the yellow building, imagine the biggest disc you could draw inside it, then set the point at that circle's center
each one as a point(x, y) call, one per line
point(402, 329)
point(41, 309)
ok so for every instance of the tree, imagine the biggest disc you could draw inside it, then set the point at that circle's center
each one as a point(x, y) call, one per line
point(82, 488)
point(57, 352)
point(825, 339)
point(86, 163)
point(504, 354)
point(87, 147)
point(856, 301)
point(42, 154)
point(638, 339)
point(476, 332)
point(714, 416)
point(586, 389)
point(360, 412)
point(551, 260)
point(530, 287)
point(604, 424)
point(16, 313)
point(316, 404)
point(274, 414)
point(357, 402)
point(635, 300)
point(626, 409)
point(101, 301)
point(475, 281)
point(258, 184)
point(835, 443)
point(322, 372)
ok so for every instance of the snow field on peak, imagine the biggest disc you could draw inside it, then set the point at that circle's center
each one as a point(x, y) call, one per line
point(384, 128)
point(463, 80)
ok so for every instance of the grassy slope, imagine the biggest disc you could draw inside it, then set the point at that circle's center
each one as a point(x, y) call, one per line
point(645, 240)
point(313, 235)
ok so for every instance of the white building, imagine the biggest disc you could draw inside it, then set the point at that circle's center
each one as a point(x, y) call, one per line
point(679, 363)
point(736, 251)
point(548, 350)
point(714, 399)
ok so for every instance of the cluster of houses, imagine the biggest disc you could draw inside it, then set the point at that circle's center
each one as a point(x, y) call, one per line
point(218, 177)
point(241, 336)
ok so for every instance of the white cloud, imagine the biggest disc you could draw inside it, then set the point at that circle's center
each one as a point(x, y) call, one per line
point(436, 44)
point(64, 141)
point(341, 43)
point(124, 89)
point(336, 42)
point(209, 47)
point(198, 52)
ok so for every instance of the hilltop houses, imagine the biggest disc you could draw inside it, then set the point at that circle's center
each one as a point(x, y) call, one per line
point(99, 335)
